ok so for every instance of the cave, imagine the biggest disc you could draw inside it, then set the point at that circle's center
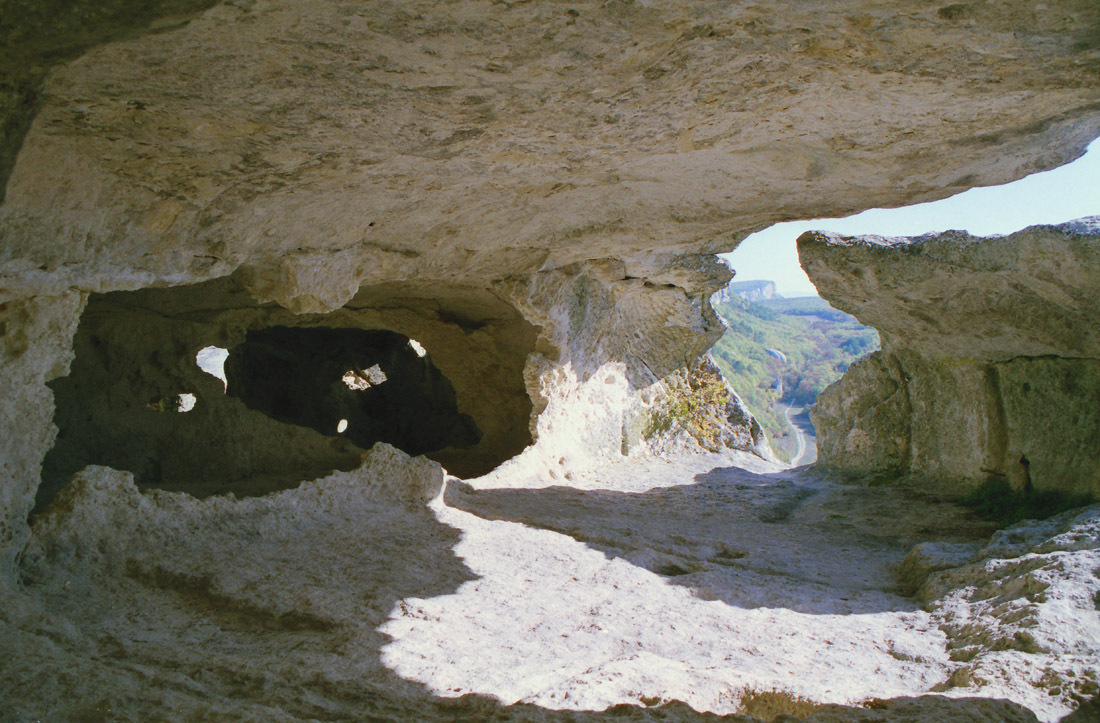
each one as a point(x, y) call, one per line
point(534, 193)
point(371, 386)
point(287, 397)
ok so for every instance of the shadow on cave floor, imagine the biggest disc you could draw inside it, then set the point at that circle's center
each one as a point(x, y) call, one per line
point(163, 607)
point(160, 607)
point(258, 609)
point(785, 540)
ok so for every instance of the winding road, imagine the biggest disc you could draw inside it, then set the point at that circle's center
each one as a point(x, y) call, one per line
point(806, 450)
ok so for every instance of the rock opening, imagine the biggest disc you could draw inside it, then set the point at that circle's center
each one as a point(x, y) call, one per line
point(211, 359)
point(201, 389)
point(372, 386)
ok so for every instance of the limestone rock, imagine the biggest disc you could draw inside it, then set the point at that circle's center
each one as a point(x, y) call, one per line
point(532, 192)
point(323, 145)
point(954, 296)
point(990, 366)
point(539, 187)
point(929, 557)
point(1032, 591)
point(136, 348)
point(700, 404)
point(868, 430)
point(35, 347)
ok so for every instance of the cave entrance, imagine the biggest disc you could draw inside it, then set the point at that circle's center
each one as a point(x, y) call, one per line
point(779, 353)
point(369, 386)
point(200, 389)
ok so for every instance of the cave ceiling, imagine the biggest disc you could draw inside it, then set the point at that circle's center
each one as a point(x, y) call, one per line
point(320, 145)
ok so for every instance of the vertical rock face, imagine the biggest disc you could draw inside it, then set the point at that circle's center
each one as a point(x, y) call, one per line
point(35, 348)
point(277, 415)
point(990, 366)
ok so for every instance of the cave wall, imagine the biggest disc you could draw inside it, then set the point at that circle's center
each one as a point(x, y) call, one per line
point(135, 351)
point(35, 347)
point(990, 363)
point(116, 408)
point(617, 353)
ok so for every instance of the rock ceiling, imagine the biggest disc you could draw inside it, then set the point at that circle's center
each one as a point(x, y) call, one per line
point(329, 143)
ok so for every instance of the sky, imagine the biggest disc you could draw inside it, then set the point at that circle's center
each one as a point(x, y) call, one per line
point(1064, 194)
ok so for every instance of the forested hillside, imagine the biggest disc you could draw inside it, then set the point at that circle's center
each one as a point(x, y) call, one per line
point(786, 350)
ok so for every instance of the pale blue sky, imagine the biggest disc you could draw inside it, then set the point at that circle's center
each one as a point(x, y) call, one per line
point(1066, 193)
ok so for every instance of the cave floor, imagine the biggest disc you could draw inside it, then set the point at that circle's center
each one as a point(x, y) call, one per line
point(685, 579)
point(722, 583)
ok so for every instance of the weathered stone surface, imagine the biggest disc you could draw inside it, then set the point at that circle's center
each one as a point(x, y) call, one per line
point(531, 190)
point(38, 34)
point(868, 430)
point(573, 163)
point(990, 364)
point(961, 297)
point(297, 605)
point(1030, 592)
point(35, 347)
point(327, 144)
point(135, 349)
point(699, 407)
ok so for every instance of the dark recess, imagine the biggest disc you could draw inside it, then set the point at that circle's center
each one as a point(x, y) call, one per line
point(295, 375)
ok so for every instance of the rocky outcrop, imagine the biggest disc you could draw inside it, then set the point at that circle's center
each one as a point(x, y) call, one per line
point(315, 603)
point(1030, 592)
point(136, 349)
point(323, 145)
point(697, 406)
point(748, 290)
point(990, 360)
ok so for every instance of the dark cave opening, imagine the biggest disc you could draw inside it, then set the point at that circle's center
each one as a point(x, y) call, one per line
point(368, 385)
point(200, 389)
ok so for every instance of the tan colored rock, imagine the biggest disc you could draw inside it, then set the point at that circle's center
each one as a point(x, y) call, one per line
point(134, 349)
point(151, 604)
point(954, 296)
point(990, 366)
point(575, 164)
point(1029, 594)
point(869, 430)
point(699, 407)
point(531, 190)
point(35, 347)
point(323, 144)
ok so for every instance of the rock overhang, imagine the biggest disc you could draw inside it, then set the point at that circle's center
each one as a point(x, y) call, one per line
point(358, 144)
point(579, 164)
point(957, 296)
point(533, 190)
point(461, 397)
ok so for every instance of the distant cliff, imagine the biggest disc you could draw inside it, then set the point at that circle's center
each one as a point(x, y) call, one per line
point(756, 290)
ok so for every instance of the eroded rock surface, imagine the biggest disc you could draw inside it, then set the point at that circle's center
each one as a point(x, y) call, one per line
point(575, 164)
point(990, 360)
point(328, 144)
point(1021, 613)
point(367, 595)
point(532, 191)
point(136, 351)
